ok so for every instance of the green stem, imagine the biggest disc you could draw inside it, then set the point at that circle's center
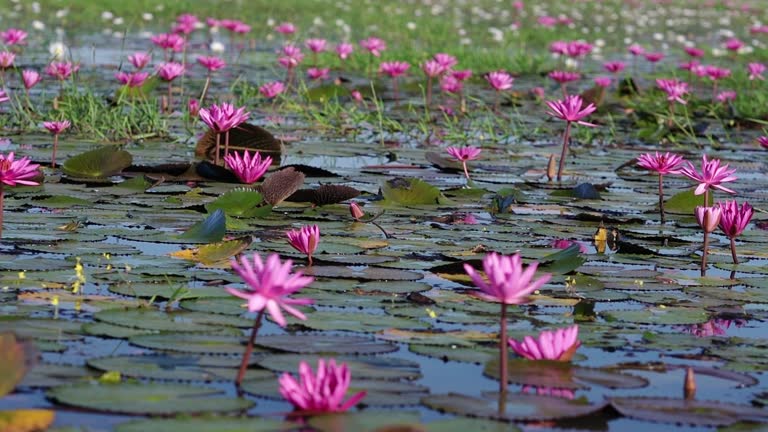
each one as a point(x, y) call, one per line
point(249, 349)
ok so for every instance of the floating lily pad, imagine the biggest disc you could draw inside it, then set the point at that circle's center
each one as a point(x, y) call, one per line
point(517, 407)
point(372, 367)
point(361, 322)
point(214, 253)
point(148, 319)
point(99, 163)
point(411, 191)
point(554, 374)
point(378, 392)
point(368, 421)
point(368, 273)
point(211, 229)
point(14, 359)
point(192, 343)
point(658, 315)
point(26, 420)
point(693, 412)
point(207, 424)
point(324, 344)
point(146, 398)
point(241, 203)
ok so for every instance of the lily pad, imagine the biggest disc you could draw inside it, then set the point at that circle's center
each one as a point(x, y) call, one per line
point(517, 407)
point(207, 424)
point(324, 344)
point(210, 229)
point(215, 253)
point(241, 203)
point(146, 398)
point(693, 412)
point(554, 374)
point(372, 367)
point(411, 191)
point(99, 163)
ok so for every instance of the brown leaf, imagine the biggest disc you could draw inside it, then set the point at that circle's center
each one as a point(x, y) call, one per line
point(244, 137)
point(324, 195)
point(280, 185)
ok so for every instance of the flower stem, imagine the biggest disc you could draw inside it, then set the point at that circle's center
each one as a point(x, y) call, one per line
point(394, 89)
point(429, 92)
point(503, 363)
point(205, 89)
point(561, 165)
point(386, 234)
point(53, 154)
point(170, 98)
point(218, 145)
point(704, 252)
point(661, 200)
point(2, 209)
point(733, 250)
point(226, 144)
point(466, 173)
point(249, 349)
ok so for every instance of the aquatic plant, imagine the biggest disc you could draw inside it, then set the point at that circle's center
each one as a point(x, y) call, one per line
point(663, 164)
point(249, 169)
point(270, 282)
point(321, 392)
point(708, 218)
point(305, 240)
point(572, 110)
point(712, 176)
point(56, 128)
point(464, 154)
point(559, 345)
point(733, 221)
point(15, 172)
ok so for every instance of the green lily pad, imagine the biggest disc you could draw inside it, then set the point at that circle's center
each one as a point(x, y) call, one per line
point(564, 375)
point(411, 191)
point(211, 229)
point(324, 344)
point(241, 203)
point(659, 315)
point(682, 411)
point(192, 343)
point(372, 367)
point(684, 202)
point(148, 319)
point(517, 407)
point(368, 421)
point(207, 424)
point(99, 163)
point(146, 398)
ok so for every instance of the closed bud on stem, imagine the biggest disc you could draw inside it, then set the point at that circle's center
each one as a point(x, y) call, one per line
point(551, 167)
point(689, 387)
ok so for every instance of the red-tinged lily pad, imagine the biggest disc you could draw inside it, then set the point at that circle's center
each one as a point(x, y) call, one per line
point(146, 398)
point(26, 420)
point(324, 344)
point(524, 407)
point(682, 411)
point(15, 358)
point(555, 374)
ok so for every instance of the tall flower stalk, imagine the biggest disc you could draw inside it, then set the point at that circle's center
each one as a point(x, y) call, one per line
point(733, 220)
point(572, 110)
point(663, 164)
point(269, 283)
point(56, 128)
point(708, 219)
point(508, 283)
point(712, 176)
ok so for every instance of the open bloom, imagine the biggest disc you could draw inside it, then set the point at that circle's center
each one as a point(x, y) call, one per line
point(734, 218)
point(134, 79)
point(564, 77)
point(432, 68)
point(675, 89)
point(19, 171)
point(708, 217)
point(666, 163)
point(139, 59)
point(323, 392)
point(558, 345)
point(654, 57)
point(636, 49)
point(716, 73)
point(248, 169)
point(394, 68)
point(373, 45)
point(318, 74)
point(170, 71)
point(285, 28)
point(462, 154)
point(13, 36)
point(726, 96)
point(270, 90)
point(211, 63)
point(6, 59)
point(449, 84)
point(4, 96)
point(224, 117)
point(694, 52)
point(508, 281)
point(57, 127)
point(169, 41)
point(316, 45)
point(603, 81)
point(500, 80)
point(756, 71)
point(30, 78)
point(733, 44)
point(61, 70)
point(571, 109)
point(614, 66)
point(447, 61)
point(344, 50)
point(305, 240)
point(712, 175)
point(269, 285)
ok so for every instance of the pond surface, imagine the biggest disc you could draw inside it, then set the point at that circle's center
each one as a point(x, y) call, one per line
point(129, 334)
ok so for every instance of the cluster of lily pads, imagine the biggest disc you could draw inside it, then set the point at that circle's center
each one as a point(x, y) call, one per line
point(537, 211)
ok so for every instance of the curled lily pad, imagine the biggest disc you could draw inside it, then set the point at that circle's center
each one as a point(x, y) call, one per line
point(243, 137)
point(215, 253)
point(280, 185)
point(206, 424)
point(14, 361)
point(99, 163)
point(210, 229)
point(517, 407)
point(325, 194)
point(693, 412)
point(146, 398)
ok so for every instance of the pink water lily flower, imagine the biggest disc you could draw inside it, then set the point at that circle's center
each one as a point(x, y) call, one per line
point(712, 175)
point(13, 36)
point(733, 44)
point(756, 71)
point(559, 345)
point(509, 282)
point(323, 392)
point(500, 80)
point(272, 89)
point(604, 82)
point(305, 240)
point(30, 78)
point(654, 57)
point(212, 63)
point(61, 70)
point(675, 89)
point(6, 59)
point(17, 171)
point(394, 69)
point(134, 79)
point(708, 218)
point(464, 154)
point(270, 283)
point(316, 45)
point(356, 212)
point(733, 221)
point(726, 96)
point(564, 77)
point(169, 41)
point(285, 28)
point(248, 169)
point(344, 50)
point(636, 50)
point(571, 109)
point(57, 127)
point(667, 163)
point(170, 71)
point(432, 68)
point(694, 52)
point(373, 45)
point(447, 61)
point(318, 74)
point(224, 117)
point(139, 59)
point(763, 141)
point(614, 66)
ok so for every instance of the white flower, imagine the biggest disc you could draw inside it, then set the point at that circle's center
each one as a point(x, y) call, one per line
point(36, 7)
point(217, 47)
point(38, 25)
point(62, 13)
point(146, 16)
point(57, 50)
point(106, 15)
point(118, 21)
point(411, 25)
point(270, 22)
